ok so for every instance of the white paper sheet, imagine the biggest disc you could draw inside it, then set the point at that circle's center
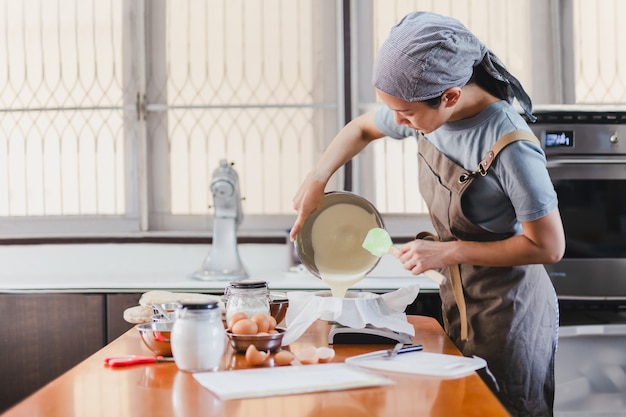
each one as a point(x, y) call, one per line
point(421, 363)
point(265, 382)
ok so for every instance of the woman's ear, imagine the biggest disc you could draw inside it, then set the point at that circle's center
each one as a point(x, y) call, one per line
point(451, 96)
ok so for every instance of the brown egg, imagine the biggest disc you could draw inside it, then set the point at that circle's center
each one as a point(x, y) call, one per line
point(262, 321)
point(273, 323)
point(245, 326)
point(254, 356)
point(240, 315)
point(283, 357)
point(325, 354)
point(307, 355)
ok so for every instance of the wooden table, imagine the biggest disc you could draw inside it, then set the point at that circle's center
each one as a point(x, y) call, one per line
point(91, 389)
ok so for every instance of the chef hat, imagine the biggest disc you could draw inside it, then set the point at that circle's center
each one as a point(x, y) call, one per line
point(426, 54)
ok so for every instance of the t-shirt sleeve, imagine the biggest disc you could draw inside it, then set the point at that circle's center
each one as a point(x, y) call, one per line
point(383, 118)
point(523, 174)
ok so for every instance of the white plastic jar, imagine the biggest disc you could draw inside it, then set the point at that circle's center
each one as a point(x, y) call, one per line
point(247, 295)
point(198, 339)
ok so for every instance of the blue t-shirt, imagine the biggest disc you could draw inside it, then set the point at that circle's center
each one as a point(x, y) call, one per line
point(520, 190)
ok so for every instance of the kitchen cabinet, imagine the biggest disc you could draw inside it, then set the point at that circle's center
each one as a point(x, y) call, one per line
point(116, 304)
point(44, 334)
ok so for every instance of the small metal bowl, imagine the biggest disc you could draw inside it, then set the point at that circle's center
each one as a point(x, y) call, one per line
point(264, 342)
point(156, 336)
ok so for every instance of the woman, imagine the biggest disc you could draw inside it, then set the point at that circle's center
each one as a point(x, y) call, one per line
point(496, 225)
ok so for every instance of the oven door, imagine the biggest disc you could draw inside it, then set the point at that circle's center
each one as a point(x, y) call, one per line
point(592, 202)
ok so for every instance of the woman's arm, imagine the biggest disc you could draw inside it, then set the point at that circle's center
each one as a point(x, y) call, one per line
point(351, 140)
point(542, 242)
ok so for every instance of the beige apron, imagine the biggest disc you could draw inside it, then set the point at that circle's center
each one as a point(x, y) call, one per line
point(512, 312)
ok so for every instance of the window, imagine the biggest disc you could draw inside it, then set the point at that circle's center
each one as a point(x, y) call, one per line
point(254, 83)
point(116, 112)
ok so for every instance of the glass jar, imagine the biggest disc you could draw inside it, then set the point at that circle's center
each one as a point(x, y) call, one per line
point(249, 296)
point(198, 339)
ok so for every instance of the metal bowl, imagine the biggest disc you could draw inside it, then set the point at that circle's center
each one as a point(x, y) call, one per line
point(156, 336)
point(265, 342)
point(164, 312)
point(304, 242)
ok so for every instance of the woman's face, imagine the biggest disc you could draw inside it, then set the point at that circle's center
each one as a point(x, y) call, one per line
point(417, 115)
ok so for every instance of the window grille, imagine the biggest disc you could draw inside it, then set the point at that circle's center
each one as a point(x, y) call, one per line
point(62, 149)
point(115, 112)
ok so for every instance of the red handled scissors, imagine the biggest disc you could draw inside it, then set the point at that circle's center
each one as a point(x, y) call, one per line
point(134, 360)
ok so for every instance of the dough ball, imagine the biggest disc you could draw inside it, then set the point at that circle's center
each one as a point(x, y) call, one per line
point(138, 314)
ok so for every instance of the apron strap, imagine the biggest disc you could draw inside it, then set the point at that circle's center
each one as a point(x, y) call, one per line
point(457, 286)
point(457, 289)
point(503, 142)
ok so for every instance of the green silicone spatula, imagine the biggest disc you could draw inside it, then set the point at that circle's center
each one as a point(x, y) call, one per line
point(378, 242)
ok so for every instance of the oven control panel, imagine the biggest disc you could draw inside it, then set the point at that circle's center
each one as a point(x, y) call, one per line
point(578, 133)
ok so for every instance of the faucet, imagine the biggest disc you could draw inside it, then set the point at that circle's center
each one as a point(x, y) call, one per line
point(223, 263)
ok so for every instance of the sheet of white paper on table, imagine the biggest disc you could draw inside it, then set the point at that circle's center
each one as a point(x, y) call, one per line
point(421, 363)
point(285, 380)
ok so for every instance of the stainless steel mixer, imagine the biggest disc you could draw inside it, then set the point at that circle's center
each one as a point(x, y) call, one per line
point(224, 263)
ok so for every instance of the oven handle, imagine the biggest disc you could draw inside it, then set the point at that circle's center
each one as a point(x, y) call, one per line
point(587, 161)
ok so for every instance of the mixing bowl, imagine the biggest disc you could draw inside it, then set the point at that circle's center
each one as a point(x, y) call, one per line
point(156, 336)
point(346, 236)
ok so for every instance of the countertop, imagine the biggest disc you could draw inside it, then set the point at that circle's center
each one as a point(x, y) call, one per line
point(91, 389)
point(132, 267)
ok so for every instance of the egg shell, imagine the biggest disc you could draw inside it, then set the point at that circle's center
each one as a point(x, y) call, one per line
point(254, 356)
point(325, 354)
point(308, 355)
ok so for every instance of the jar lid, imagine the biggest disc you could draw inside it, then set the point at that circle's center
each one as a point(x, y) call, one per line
point(199, 305)
point(248, 284)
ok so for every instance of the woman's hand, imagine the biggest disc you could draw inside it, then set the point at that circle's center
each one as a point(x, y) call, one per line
point(308, 199)
point(421, 255)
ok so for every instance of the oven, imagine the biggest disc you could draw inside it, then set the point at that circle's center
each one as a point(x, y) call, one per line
point(586, 157)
